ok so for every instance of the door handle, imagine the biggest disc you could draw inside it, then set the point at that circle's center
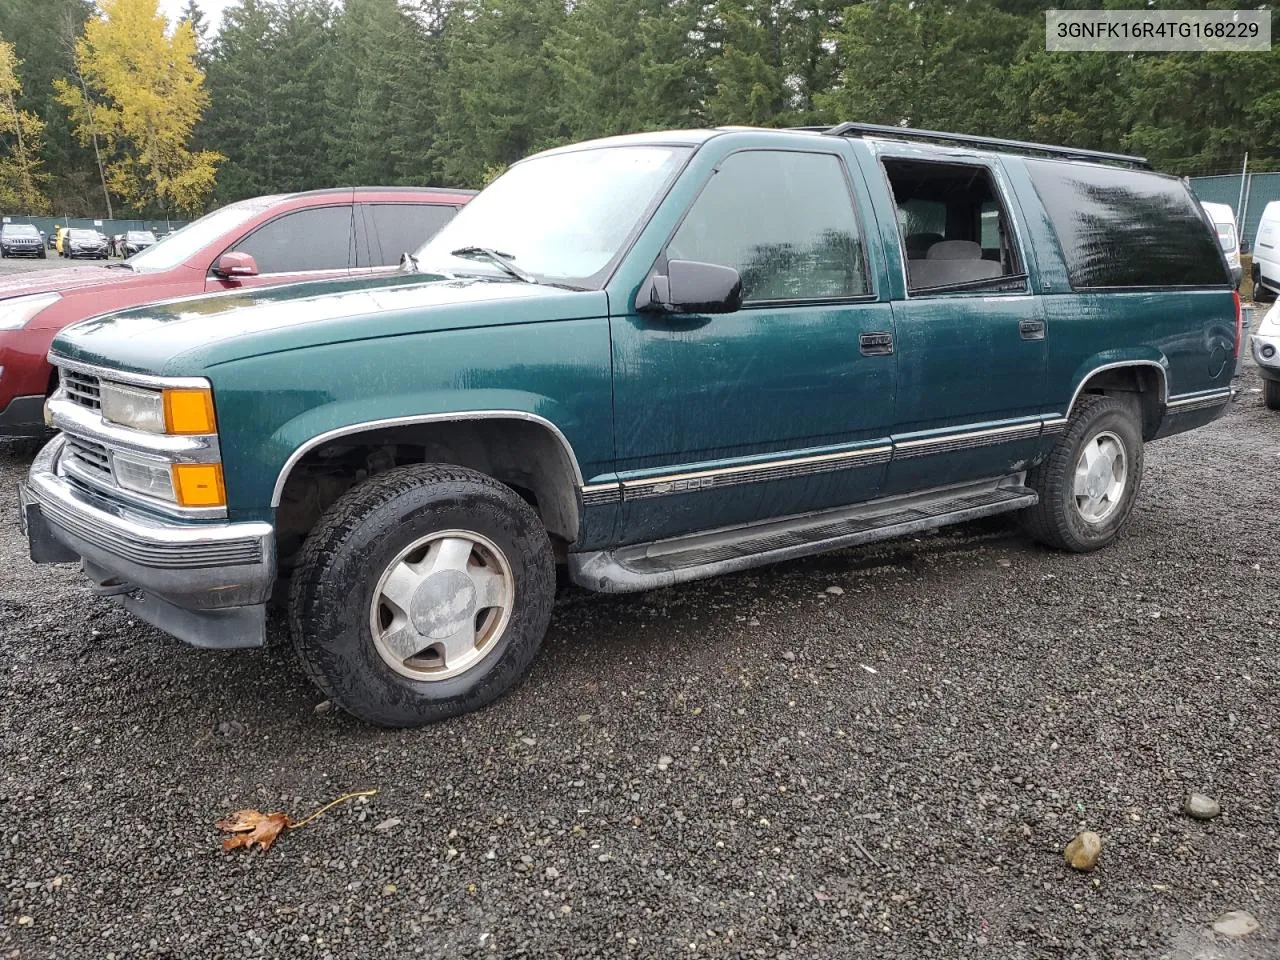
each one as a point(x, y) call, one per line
point(878, 344)
point(1031, 329)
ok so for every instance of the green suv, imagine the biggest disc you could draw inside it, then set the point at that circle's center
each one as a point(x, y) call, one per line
point(646, 360)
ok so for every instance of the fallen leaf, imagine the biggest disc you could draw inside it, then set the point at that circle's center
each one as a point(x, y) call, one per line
point(253, 828)
point(249, 828)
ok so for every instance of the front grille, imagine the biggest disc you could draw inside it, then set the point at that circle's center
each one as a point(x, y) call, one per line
point(90, 455)
point(81, 388)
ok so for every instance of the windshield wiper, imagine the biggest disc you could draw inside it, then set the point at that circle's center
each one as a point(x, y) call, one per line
point(503, 260)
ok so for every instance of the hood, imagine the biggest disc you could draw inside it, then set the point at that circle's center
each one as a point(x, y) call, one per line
point(70, 278)
point(187, 337)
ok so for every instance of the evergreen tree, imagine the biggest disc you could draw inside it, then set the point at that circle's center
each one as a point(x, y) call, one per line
point(628, 65)
point(498, 89)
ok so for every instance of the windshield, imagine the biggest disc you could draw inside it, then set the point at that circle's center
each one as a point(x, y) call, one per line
point(563, 218)
point(85, 235)
point(140, 235)
point(178, 246)
point(21, 230)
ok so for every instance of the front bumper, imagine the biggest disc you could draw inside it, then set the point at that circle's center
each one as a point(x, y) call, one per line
point(22, 250)
point(205, 583)
point(1266, 354)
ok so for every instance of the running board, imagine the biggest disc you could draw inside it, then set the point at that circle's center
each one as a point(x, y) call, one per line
point(661, 563)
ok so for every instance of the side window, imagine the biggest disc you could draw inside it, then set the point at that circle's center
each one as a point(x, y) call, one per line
point(956, 231)
point(784, 220)
point(317, 239)
point(1121, 227)
point(396, 228)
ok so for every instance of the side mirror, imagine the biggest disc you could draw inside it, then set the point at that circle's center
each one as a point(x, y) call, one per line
point(692, 287)
point(232, 265)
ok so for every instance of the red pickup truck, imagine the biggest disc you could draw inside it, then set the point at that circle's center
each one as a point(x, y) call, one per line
point(266, 240)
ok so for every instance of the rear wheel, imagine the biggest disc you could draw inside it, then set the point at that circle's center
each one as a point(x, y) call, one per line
point(1260, 293)
point(1271, 394)
point(423, 593)
point(1088, 484)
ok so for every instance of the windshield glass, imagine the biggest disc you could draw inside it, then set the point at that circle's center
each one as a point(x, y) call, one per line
point(564, 218)
point(178, 246)
point(85, 235)
point(21, 230)
point(140, 235)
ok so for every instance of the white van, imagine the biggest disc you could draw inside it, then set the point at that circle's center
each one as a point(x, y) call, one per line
point(1266, 254)
point(1224, 222)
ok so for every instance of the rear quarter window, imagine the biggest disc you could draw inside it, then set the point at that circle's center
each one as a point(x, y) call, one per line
point(1127, 228)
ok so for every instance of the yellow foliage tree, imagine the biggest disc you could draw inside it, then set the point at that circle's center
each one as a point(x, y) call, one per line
point(21, 176)
point(142, 93)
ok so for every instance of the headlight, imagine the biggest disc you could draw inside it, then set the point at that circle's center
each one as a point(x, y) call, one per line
point(143, 476)
point(186, 484)
point(16, 312)
point(182, 411)
point(133, 407)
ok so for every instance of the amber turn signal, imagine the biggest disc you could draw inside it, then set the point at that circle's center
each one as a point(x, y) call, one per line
point(199, 485)
point(189, 411)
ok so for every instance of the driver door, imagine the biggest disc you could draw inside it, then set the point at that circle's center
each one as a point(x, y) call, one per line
point(784, 406)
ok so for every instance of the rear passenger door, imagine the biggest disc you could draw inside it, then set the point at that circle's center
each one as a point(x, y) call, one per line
point(970, 332)
point(783, 406)
point(309, 244)
point(385, 231)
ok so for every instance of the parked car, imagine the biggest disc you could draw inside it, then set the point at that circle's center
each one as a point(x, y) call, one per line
point(49, 240)
point(267, 240)
point(651, 358)
point(135, 241)
point(1264, 344)
point(1266, 254)
point(21, 240)
point(1223, 219)
point(85, 245)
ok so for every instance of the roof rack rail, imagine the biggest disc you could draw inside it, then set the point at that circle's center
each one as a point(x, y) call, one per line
point(986, 143)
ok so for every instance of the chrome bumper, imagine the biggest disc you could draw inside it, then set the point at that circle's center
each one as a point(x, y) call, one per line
point(206, 583)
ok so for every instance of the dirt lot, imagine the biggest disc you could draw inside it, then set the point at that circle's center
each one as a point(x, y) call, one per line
point(757, 766)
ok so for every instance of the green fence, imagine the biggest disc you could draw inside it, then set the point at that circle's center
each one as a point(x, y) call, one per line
point(1259, 190)
point(47, 225)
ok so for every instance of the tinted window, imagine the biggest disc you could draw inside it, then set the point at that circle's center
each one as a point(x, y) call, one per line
point(785, 221)
point(315, 239)
point(1126, 228)
point(396, 228)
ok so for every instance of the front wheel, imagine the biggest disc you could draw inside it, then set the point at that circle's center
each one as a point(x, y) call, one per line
point(423, 593)
point(1088, 484)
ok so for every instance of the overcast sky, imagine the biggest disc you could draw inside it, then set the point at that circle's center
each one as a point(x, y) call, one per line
point(212, 10)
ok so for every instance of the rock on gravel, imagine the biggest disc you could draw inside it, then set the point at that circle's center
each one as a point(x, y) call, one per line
point(1198, 806)
point(1083, 851)
point(1236, 924)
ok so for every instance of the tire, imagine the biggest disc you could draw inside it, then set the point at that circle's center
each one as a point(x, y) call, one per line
point(43, 255)
point(354, 549)
point(1059, 520)
point(1271, 394)
point(1262, 294)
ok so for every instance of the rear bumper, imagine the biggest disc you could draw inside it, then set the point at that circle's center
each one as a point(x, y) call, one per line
point(205, 583)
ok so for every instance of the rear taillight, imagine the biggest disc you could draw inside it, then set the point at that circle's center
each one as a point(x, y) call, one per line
point(1239, 323)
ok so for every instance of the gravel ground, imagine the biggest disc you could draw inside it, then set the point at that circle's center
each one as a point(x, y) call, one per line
point(12, 265)
point(756, 766)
